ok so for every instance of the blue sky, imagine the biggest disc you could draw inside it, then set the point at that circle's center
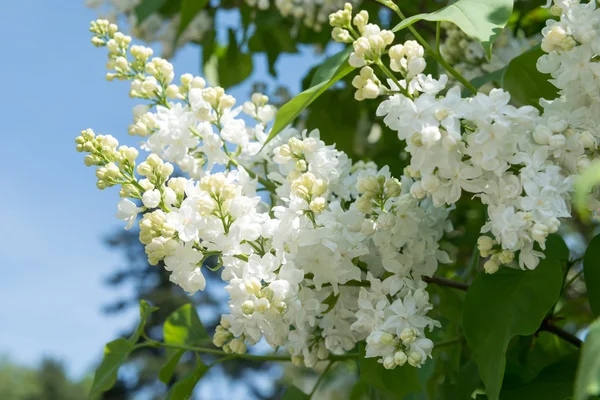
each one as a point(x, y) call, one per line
point(54, 218)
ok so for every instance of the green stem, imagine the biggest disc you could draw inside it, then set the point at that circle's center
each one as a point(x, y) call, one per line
point(437, 37)
point(223, 359)
point(217, 352)
point(327, 368)
point(270, 186)
point(436, 56)
point(448, 342)
point(573, 279)
point(390, 75)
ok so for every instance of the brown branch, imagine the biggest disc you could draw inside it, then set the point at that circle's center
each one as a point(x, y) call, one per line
point(438, 280)
point(548, 326)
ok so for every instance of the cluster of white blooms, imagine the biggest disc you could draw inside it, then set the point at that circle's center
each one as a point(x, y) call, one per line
point(156, 27)
point(312, 13)
point(519, 163)
point(468, 57)
point(569, 129)
point(334, 252)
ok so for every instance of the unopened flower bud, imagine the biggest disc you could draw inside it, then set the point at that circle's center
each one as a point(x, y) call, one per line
point(262, 305)
point(363, 204)
point(485, 244)
point(341, 35)
point(415, 358)
point(296, 145)
point(248, 307)
point(417, 191)
point(389, 362)
point(238, 346)
point(301, 165)
point(506, 256)
point(318, 205)
point(368, 227)
point(252, 285)
point(491, 266)
point(400, 358)
point(408, 336)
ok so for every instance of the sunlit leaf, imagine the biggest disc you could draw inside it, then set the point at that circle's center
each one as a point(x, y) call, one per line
point(182, 327)
point(115, 355)
point(481, 20)
point(289, 111)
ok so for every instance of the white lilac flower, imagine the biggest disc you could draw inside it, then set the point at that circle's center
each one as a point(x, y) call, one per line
point(292, 261)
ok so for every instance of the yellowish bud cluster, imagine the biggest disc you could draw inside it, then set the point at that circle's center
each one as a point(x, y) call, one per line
point(375, 191)
point(498, 257)
point(155, 170)
point(115, 164)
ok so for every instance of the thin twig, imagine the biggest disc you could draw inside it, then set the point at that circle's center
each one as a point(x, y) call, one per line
point(246, 356)
point(548, 326)
point(448, 342)
point(438, 280)
point(573, 279)
point(327, 368)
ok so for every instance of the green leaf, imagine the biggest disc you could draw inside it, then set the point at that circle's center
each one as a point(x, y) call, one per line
point(495, 76)
point(233, 65)
point(525, 83)
point(183, 389)
point(211, 66)
point(591, 274)
point(289, 111)
point(359, 390)
point(147, 8)
point(529, 355)
point(145, 311)
point(272, 37)
point(331, 301)
point(467, 380)
point(451, 303)
point(553, 382)
point(583, 186)
point(188, 11)
point(587, 382)
point(425, 374)
point(503, 305)
point(556, 249)
point(481, 20)
point(327, 70)
point(115, 354)
point(473, 263)
point(397, 382)
point(168, 369)
point(293, 393)
point(182, 327)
